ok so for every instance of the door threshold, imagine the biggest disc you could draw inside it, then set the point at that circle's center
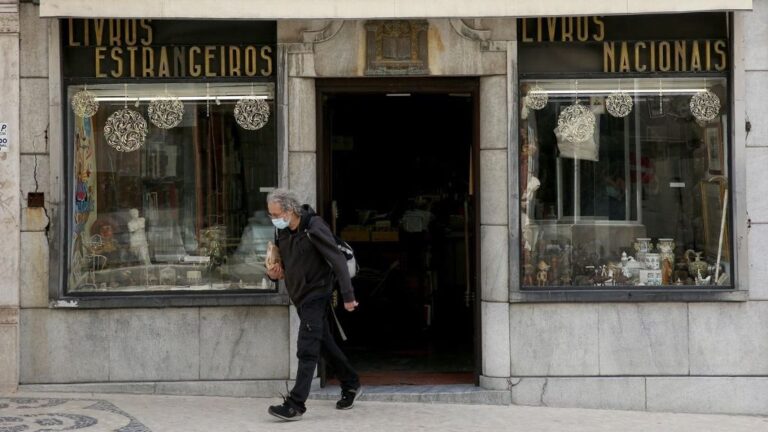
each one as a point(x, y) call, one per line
point(453, 393)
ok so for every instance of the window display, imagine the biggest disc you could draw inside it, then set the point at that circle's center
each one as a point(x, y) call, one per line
point(168, 186)
point(624, 182)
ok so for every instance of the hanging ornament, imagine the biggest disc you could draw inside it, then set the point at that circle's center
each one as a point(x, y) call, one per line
point(619, 104)
point(576, 123)
point(252, 113)
point(537, 98)
point(705, 106)
point(166, 113)
point(125, 130)
point(84, 103)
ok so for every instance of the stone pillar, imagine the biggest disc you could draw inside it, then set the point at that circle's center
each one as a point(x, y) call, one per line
point(9, 196)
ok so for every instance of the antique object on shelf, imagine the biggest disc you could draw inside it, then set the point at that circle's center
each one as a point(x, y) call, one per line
point(650, 277)
point(125, 130)
point(705, 106)
point(667, 249)
point(543, 275)
point(652, 261)
point(642, 246)
point(166, 113)
point(84, 103)
point(138, 236)
point(666, 271)
point(212, 241)
point(697, 267)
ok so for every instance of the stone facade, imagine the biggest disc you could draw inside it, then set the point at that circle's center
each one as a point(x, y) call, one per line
point(677, 355)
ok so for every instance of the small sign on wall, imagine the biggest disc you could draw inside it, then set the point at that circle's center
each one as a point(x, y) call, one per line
point(5, 138)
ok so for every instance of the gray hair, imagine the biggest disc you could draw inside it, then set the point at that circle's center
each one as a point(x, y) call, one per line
point(287, 199)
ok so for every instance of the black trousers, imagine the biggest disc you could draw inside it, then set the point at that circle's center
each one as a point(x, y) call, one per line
point(316, 339)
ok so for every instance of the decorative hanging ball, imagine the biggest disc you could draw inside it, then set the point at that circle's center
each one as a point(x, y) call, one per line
point(252, 113)
point(705, 106)
point(576, 123)
point(126, 130)
point(84, 104)
point(537, 98)
point(166, 113)
point(619, 104)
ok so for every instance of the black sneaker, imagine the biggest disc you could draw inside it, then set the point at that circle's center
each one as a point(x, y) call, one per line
point(348, 398)
point(288, 411)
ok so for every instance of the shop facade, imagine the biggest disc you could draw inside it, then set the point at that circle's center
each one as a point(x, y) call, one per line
point(583, 289)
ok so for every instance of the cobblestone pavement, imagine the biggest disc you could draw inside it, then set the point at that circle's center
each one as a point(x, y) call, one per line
point(51, 412)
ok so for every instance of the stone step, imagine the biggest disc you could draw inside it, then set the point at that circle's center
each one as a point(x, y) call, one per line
point(455, 393)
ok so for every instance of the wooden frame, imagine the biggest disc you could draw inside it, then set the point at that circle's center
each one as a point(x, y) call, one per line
point(712, 194)
point(713, 140)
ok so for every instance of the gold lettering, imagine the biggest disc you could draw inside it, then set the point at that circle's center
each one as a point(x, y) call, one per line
point(131, 32)
point(600, 34)
point(708, 55)
point(72, 42)
point(208, 59)
point(164, 68)
point(609, 57)
point(222, 60)
point(86, 32)
point(98, 29)
point(539, 29)
point(653, 56)
point(179, 61)
point(147, 39)
point(132, 62)
point(147, 62)
point(525, 31)
point(250, 61)
point(101, 54)
point(266, 54)
point(624, 59)
point(681, 62)
point(194, 68)
point(638, 66)
point(552, 27)
point(665, 56)
point(567, 28)
point(117, 56)
point(114, 32)
point(234, 60)
point(582, 28)
point(720, 50)
point(695, 57)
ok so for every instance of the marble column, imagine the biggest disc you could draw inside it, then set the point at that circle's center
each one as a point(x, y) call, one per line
point(9, 196)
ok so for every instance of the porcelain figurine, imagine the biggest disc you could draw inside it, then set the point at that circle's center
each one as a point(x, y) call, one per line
point(667, 249)
point(542, 277)
point(138, 236)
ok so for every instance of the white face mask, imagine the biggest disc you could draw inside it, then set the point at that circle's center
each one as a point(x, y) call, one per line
point(280, 223)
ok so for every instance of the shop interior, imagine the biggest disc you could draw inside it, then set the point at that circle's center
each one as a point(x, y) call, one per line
point(401, 196)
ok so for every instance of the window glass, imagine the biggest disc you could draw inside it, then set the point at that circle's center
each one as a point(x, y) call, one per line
point(637, 200)
point(184, 211)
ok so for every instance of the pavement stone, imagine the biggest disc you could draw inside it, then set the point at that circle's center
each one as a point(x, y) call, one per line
point(144, 413)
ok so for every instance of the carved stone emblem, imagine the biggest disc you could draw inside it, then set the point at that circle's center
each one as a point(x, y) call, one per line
point(397, 47)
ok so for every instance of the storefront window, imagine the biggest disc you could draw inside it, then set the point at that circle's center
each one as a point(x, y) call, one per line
point(629, 191)
point(183, 211)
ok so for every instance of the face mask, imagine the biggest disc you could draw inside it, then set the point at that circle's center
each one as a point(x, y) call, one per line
point(280, 223)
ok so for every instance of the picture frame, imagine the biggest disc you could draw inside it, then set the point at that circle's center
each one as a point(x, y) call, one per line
point(713, 140)
point(712, 195)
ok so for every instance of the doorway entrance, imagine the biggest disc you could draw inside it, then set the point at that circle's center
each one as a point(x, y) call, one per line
point(397, 174)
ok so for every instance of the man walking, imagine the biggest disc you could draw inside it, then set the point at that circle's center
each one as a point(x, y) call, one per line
point(311, 264)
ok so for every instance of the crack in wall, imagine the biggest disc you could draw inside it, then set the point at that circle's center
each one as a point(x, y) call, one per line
point(543, 392)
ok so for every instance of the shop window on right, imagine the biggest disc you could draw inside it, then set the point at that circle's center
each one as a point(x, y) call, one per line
point(624, 182)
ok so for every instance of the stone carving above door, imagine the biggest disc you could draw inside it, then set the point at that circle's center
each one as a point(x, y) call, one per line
point(397, 47)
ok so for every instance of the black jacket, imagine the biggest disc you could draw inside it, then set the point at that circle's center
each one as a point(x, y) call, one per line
point(308, 274)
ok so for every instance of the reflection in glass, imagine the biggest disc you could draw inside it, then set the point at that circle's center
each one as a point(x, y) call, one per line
point(184, 212)
point(635, 202)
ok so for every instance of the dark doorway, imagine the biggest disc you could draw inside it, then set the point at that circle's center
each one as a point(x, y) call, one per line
point(397, 180)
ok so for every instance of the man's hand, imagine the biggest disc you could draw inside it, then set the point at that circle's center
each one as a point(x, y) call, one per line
point(276, 272)
point(350, 306)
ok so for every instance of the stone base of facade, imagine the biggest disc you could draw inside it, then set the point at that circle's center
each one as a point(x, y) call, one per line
point(240, 388)
point(690, 394)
